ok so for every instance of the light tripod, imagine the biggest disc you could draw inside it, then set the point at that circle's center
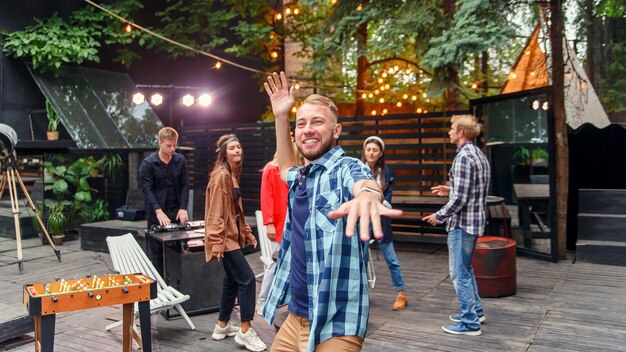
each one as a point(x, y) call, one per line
point(9, 177)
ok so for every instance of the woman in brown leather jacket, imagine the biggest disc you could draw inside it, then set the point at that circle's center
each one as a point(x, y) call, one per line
point(226, 233)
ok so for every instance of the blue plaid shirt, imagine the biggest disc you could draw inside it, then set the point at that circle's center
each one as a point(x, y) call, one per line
point(469, 184)
point(336, 275)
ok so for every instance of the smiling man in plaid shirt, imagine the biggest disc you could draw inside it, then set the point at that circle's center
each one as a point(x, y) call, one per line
point(320, 270)
point(464, 215)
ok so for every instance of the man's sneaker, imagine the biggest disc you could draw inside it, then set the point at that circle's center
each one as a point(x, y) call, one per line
point(250, 340)
point(221, 333)
point(460, 329)
point(456, 317)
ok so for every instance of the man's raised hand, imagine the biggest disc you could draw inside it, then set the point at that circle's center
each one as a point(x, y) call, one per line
point(281, 96)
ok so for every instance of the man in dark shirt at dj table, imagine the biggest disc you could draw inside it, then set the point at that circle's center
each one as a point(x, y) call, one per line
point(164, 180)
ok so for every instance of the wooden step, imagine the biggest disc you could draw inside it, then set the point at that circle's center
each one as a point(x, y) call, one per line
point(602, 227)
point(601, 252)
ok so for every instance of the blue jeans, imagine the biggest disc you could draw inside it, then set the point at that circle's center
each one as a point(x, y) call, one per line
point(392, 262)
point(460, 250)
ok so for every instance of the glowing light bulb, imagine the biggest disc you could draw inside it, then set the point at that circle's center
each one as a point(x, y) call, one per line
point(424, 95)
point(381, 100)
point(545, 105)
point(294, 109)
point(274, 54)
point(419, 110)
point(218, 65)
point(405, 96)
point(138, 98)
point(474, 85)
point(376, 92)
point(156, 99)
point(364, 96)
point(370, 95)
point(428, 100)
point(387, 86)
point(396, 68)
point(297, 86)
point(360, 7)
point(128, 28)
point(384, 74)
point(414, 98)
point(279, 16)
point(287, 11)
point(296, 11)
point(513, 75)
point(373, 112)
point(384, 111)
point(399, 104)
point(205, 100)
point(380, 80)
point(188, 100)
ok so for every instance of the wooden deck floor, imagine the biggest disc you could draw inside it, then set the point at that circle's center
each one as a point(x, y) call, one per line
point(558, 307)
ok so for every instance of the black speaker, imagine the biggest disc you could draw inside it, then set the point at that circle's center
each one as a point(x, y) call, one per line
point(190, 274)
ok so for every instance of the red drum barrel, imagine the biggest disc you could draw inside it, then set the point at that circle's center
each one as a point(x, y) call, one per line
point(494, 266)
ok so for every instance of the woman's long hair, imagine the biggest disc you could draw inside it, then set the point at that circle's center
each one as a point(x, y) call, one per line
point(379, 168)
point(220, 159)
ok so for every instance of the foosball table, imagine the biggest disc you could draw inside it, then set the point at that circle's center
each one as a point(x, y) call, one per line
point(44, 300)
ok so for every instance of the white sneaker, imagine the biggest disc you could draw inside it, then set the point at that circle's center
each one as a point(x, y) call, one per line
point(221, 333)
point(259, 310)
point(250, 341)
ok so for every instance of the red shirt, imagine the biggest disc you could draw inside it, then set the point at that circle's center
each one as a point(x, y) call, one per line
point(274, 194)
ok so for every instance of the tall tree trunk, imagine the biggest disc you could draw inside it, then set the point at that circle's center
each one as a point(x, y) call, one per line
point(590, 41)
point(452, 96)
point(560, 127)
point(361, 68)
point(484, 70)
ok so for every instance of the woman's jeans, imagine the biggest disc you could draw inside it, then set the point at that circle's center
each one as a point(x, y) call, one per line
point(392, 262)
point(460, 250)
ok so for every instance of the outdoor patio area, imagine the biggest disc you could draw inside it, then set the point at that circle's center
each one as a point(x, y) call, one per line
point(558, 307)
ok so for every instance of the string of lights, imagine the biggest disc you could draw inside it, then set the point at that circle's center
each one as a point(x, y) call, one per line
point(132, 24)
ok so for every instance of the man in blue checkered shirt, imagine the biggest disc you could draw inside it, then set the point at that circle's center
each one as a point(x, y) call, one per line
point(464, 215)
point(320, 271)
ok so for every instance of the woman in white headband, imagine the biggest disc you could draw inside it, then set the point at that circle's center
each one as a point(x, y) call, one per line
point(373, 154)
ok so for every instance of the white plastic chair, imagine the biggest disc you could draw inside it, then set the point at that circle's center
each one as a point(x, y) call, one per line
point(129, 258)
point(264, 242)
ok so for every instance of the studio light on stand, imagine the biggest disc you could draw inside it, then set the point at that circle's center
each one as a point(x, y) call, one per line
point(11, 177)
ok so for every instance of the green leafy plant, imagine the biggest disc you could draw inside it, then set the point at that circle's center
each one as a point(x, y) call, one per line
point(527, 156)
point(53, 118)
point(98, 211)
point(57, 220)
point(109, 164)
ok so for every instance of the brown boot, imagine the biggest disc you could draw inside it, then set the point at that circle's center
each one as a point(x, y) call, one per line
point(400, 302)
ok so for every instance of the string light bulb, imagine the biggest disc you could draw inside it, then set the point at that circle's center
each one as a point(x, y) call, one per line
point(399, 104)
point(360, 7)
point(387, 86)
point(364, 96)
point(188, 100)
point(474, 85)
point(381, 100)
point(297, 86)
point(218, 65)
point(373, 112)
point(294, 109)
point(405, 96)
point(287, 11)
point(384, 74)
point(419, 110)
point(380, 80)
point(396, 68)
point(424, 95)
point(376, 92)
point(414, 98)
point(138, 98)
point(274, 54)
point(279, 16)
point(205, 100)
point(128, 28)
point(384, 111)
point(370, 95)
point(296, 11)
point(333, 1)
point(156, 99)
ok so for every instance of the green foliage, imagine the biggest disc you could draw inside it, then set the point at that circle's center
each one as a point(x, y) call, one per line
point(53, 118)
point(109, 164)
point(613, 95)
point(98, 211)
point(55, 41)
point(57, 220)
point(527, 156)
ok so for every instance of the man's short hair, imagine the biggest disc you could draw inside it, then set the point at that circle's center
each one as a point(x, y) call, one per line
point(322, 100)
point(168, 133)
point(468, 124)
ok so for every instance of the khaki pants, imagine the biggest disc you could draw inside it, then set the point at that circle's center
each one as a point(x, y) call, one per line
point(293, 336)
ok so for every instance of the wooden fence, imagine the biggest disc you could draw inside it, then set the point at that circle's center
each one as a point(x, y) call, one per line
point(417, 149)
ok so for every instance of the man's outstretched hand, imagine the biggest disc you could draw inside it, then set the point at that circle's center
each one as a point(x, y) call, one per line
point(281, 96)
point(366, 209)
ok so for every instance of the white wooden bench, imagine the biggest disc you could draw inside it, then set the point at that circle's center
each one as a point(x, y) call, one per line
point(129, 258)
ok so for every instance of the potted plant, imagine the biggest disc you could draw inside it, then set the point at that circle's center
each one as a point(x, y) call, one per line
point(99, 211)
point(57, 221)
point(109, 164)
point(53, 122)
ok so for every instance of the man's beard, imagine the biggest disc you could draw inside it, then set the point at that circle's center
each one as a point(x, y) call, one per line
point(314, 155)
